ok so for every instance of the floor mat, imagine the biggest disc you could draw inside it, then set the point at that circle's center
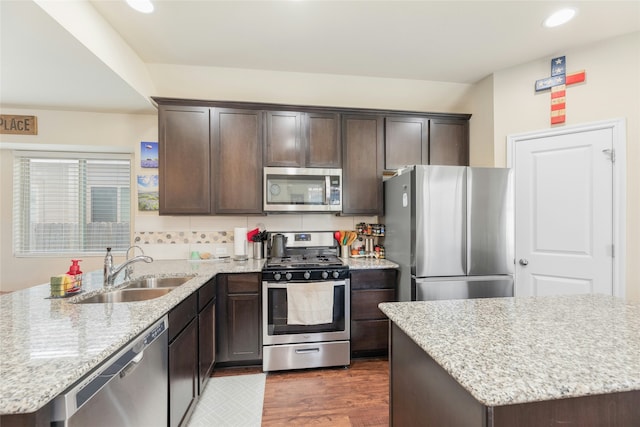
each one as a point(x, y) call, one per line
point(233, 401)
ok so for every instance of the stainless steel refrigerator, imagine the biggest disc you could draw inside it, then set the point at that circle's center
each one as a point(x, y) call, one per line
point(450, 228)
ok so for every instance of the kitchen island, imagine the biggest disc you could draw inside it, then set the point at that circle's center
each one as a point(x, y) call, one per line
point(570, 360)
point(46, 345)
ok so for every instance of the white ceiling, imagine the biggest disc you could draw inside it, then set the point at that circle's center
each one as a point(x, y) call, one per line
point(42, 65)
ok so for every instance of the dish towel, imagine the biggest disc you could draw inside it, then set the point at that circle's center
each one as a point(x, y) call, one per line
point(309, 303)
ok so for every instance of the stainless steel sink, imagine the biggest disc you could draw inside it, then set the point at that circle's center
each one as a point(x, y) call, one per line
point(126, 295)
point(158, 282)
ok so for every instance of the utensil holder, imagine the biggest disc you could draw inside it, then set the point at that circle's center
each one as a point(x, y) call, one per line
point(257, 250)
point(344, 251)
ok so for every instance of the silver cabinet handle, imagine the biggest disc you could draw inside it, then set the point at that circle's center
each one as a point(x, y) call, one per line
point(523, 262)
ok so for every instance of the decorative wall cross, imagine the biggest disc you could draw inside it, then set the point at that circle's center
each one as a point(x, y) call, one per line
point(558, 83)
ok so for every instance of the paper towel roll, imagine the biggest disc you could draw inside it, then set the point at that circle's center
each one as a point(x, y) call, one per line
point(240, 242)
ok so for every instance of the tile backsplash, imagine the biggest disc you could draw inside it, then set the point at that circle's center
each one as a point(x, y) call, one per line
point(188, 237)
point(175, 237)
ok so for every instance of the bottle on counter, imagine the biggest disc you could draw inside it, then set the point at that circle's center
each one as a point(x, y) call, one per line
point(76, 275)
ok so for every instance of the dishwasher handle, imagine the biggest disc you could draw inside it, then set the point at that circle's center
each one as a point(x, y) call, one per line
point(132, 365)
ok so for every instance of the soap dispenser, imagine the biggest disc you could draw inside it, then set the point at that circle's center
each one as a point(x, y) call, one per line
point(76, 274)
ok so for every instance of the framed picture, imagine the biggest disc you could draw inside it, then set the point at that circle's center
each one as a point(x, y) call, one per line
point(148, 194)
point(149, 154)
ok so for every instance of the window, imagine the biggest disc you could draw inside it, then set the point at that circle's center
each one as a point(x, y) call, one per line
point(70, 203)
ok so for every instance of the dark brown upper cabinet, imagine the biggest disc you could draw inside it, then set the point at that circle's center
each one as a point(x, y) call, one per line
point(237, 152)
point(426, 141)
point(449, 142)
point(184, 160)
point(363, 138)
point(322, 140)
point(406, 142)
point(295, 139)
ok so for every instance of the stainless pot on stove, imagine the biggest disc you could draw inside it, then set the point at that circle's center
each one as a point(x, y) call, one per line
point(278, 246)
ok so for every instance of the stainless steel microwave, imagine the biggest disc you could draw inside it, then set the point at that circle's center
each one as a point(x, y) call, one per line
point(302, 190)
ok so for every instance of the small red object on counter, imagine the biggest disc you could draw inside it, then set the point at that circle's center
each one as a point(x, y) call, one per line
point(252, 233)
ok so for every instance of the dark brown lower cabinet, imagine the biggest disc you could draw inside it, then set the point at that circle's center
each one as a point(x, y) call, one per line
point(239, 313)
point(183, 361)
point(206, 332)
point(369, 326)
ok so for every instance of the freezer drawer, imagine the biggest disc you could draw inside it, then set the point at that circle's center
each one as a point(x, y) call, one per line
point(442, 288)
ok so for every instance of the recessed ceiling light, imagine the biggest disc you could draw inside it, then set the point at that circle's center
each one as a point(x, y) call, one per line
point(144, 6)
point(560, 17)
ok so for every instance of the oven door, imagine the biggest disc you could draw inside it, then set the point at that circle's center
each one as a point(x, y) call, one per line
point(277, 330)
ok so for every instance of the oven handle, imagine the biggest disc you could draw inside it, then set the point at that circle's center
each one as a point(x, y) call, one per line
point(284, 284)
point(308, 350)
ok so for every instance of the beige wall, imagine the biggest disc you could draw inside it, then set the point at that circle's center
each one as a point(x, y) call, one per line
point(612, 90)
point(480, 103)
point(60, 128)
point(308, 89)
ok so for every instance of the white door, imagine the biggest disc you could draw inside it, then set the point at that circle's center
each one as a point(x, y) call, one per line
point(564, 213)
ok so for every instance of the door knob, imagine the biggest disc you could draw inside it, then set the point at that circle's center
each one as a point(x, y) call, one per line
point(523, 262)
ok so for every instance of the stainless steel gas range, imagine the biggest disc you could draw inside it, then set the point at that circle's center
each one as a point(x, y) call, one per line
point(305, 304)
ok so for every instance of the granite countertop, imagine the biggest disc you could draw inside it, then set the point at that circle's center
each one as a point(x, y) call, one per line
point(368, 263)
point(515, 350)
point(48, 344)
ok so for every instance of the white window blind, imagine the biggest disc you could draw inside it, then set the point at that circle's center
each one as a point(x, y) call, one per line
point(71, 202)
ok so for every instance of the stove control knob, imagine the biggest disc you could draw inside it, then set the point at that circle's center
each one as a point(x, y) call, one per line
point(288, 276)
point(335, 274)
point(277, 276)
point(307, 275)
point(325, 274)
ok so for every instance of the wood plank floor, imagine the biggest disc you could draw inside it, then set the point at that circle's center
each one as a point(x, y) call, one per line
point(357, 396)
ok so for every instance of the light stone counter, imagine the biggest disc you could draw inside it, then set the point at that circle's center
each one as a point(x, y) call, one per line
point(48, 344)
point(368, 263)
point(516, 350)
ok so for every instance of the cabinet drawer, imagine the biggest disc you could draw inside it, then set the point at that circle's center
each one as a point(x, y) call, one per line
point(181, 315)
point(243, 283)
point(206, 294)
point(373, 279)
point(369, 335)
point(364, 304)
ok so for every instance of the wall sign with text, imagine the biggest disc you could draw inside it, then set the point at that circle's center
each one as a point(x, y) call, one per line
point(18, 125)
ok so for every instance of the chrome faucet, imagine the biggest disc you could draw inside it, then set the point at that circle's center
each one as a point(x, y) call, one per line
point(111, 272)
point(129, 270)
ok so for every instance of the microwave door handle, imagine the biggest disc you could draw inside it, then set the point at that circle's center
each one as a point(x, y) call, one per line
point(327, 190)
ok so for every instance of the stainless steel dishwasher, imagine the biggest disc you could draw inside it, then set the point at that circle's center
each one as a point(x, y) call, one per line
point(129, 389)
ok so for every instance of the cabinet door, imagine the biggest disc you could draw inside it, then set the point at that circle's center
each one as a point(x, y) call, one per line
point(183, 374)
point(206, 343)
point(406, 142)
point(362, 141)
point(322, 140)
point(237, 154)
point(239, 325)
point(183, 145)
point(283, 144)
point(449, 142)
point(243, 325)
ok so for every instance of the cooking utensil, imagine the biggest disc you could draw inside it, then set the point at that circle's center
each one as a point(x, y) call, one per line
point(344, 237)
point(351, 237)
point(336, 235)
